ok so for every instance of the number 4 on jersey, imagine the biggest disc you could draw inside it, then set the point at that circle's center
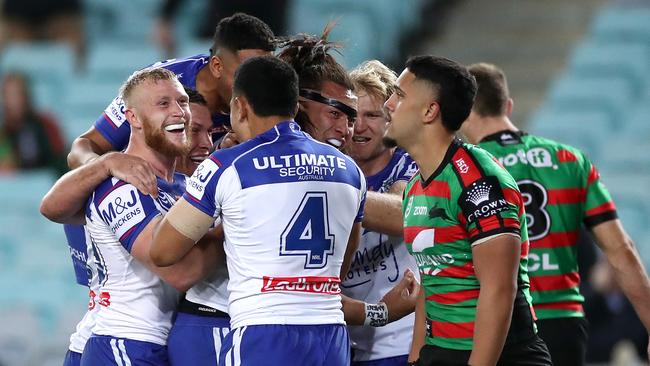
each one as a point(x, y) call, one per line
point(307, 234)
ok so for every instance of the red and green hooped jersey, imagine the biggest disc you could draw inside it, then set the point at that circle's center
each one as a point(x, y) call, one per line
point(561, 190)
point(467, 199)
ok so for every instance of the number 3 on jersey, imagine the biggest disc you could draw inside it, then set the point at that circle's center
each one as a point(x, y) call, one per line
point(535, 200)
point(307, 233)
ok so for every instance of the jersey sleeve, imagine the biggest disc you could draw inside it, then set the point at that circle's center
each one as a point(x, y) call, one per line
point(112, 124)
point(407, 169)
point(599, 206)
point(200, 190)
point(489, 207)
point(362, 204)
point(127, 212)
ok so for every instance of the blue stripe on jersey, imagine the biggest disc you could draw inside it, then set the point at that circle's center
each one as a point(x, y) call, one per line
point(401, 167)
point(112, 124)
point(126, 210)
point(76, 238)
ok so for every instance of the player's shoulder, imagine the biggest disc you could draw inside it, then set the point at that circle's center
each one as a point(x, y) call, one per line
point(473, 164)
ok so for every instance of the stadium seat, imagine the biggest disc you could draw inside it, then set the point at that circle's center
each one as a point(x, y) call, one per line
point(622, 156)
point(630, 61)
point(44, 61)
point(611, 95)
point(584, 130)
point(117, 60)
point(357, 22)
point(623, 23)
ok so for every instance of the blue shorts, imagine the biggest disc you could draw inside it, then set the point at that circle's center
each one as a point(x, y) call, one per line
point(390, 361)
point(286, 345)
point(196, 340)
point(111, 351)
point(72, 359)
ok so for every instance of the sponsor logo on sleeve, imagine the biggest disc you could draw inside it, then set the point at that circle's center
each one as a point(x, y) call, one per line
point(482, 199)
point(201, 177)
point(461, 165)
point(122, 210)
point(116, 112)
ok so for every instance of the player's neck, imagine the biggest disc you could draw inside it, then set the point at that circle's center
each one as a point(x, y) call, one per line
point(492, 125)
point(162, 165)
point(430, 152)
point(376, 164)
point(206, 85)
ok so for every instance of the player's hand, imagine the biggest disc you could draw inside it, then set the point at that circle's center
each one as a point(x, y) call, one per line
point(228, 140)
point(133, 170)
point(401, 299)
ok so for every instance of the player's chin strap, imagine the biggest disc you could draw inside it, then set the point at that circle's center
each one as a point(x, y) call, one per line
point(376, 315)
point(318, 97)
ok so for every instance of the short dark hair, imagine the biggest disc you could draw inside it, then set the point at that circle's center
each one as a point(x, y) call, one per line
point(492, 93)
point(310, 56)
point(195, 96)
point(455, 86)
point(242, 32)
point(269, 84)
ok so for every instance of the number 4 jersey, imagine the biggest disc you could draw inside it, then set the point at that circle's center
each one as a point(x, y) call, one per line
point(288, 204)
point(561, 190)
point(468, 200)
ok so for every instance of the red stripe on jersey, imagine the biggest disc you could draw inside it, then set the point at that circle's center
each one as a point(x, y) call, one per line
point(119, 184)
point(452, 330)
point(216, 161)
point(554, 282)
point(564, 305)
point(441, 235)
point(435, 188)
point(463, 271)
point(557, 240)
point(593, 175)
point(605, 207)
point(109, 120)
point(565, 156)
point(493, 223)
point(465, 166)
point(566, 196)
point(514, 196)
point(454, 297)
point(525, 248)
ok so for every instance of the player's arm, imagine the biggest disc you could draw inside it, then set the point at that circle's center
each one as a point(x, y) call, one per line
point(628, 269)
point(64, 203)
point(399, 302)
point(131, 169)
point(496, 263)
point(383, 211)
point(195, 264)
point(419, 328)
point(353, 245)
point(177, 233)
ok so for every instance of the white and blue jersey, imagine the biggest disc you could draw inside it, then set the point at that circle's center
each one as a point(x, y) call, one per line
point(376, 267)
point(112, 124)
point(135, 303)
point(287, 204)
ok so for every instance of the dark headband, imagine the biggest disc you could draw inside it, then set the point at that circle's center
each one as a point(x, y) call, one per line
point(317, 97)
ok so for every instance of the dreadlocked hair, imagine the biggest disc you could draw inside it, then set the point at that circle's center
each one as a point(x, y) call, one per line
point(312, 60)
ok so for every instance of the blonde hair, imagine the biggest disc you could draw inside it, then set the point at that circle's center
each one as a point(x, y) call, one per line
point(142, 76)
point(374, 78)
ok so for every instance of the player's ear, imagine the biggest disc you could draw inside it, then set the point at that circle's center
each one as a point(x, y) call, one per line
point(133, 119)
point(216, 66)
point(509, 105)
point(431, 113)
